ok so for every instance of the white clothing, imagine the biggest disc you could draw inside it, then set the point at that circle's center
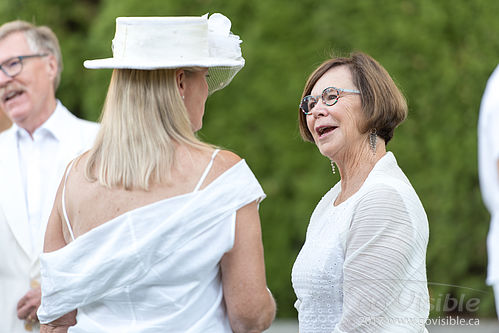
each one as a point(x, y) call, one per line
point(488, 158)
point(152, 269)
point(30, 172)
point(362, 267)
point(495, 287)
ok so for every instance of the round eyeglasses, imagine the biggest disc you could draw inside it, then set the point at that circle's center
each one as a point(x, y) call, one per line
point(13, 66)
point(329, 96)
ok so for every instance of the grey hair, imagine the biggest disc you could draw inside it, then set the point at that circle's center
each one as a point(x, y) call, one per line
point(39, 39)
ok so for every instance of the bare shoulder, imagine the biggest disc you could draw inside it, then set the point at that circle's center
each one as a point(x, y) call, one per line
point(75, 171)
point(78, 164)
point(227, 159)
point(223, 161)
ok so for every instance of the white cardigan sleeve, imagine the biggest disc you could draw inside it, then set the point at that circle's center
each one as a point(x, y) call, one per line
point(488, 110)
point(385, 287)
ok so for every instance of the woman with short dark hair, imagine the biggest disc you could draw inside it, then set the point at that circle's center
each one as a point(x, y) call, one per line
point(362, 267)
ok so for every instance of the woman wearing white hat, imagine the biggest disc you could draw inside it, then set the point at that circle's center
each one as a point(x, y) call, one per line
point(153, 230)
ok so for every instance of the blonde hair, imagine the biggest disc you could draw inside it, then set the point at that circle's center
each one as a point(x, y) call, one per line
point(39, 39)
point(143, 119)
point(383, 104)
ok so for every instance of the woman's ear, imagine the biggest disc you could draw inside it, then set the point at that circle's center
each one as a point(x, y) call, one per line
point(180, 79)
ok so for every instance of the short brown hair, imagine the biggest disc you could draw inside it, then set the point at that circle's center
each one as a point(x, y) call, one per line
point(40, 39)
point(383, 105)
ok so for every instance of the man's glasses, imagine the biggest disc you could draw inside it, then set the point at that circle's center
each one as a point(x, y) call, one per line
point(329, 97)
point(14, 66)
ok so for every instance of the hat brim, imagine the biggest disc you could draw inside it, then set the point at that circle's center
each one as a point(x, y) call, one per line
point(151, 65)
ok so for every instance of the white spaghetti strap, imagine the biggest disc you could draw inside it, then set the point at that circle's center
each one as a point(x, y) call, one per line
point(64, 201)
point(205, 173)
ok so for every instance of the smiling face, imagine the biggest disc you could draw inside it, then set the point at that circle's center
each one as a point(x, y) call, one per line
point(195, 95)
point(28, 99)
point(335, 129)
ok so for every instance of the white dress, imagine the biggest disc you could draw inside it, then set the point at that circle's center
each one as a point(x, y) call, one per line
point(362, 267)
point(152, 269)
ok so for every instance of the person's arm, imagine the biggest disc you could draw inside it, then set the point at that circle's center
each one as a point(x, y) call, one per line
point(54, 240)
point(250, 305)
point(54, 236)
point(384, 287)
point(60, 325)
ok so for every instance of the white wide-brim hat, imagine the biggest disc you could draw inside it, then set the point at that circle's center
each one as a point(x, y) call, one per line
point(149, 43)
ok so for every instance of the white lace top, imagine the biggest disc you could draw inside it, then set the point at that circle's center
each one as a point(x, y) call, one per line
point(362, 267)
point(152, 269)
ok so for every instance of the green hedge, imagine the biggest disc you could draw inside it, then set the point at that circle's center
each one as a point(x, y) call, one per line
point(439, 52)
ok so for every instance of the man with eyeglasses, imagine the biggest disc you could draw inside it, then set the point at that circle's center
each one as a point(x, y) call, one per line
point(34, 152)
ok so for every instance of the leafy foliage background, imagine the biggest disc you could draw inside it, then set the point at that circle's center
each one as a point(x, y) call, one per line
point(440, 53)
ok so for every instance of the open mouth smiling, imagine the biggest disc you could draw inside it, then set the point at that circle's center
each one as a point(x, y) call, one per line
point(11, 94)
point(323, 130)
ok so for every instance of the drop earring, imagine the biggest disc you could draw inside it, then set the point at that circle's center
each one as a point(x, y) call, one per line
point(333, 168)
point(373, 137)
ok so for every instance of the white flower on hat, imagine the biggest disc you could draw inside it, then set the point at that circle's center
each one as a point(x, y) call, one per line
point(223, 43)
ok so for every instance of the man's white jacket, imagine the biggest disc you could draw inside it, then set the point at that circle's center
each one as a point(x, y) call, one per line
point(19, 263)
